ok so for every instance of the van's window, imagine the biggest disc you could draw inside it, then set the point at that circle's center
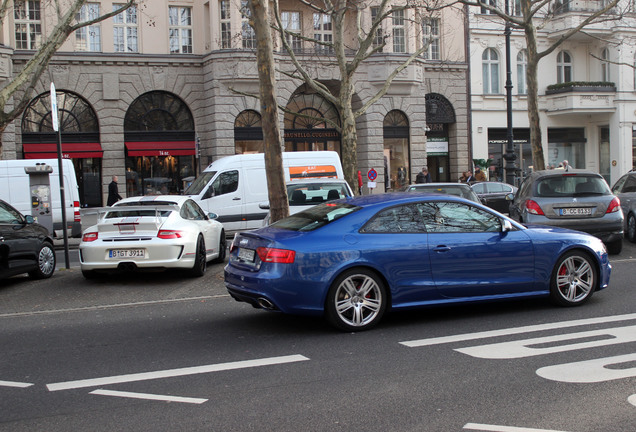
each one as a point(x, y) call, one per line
point(199, 183)
point(226, 182)
point(315, 217)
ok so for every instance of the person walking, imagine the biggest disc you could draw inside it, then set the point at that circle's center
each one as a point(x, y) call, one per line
point(113, 192)
point(566, 165)
point(424, 176)
point(479, 174)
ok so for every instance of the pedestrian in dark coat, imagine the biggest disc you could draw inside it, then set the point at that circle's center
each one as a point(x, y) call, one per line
point(424, 176)
point(113, 192)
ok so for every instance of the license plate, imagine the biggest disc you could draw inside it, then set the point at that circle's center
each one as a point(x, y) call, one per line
point(246, 254)
point(126, 253)
point(576, 211)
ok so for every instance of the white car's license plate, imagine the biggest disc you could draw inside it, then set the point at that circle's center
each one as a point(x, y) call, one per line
point(126, 253)
point(576, 211)
point(246, 254)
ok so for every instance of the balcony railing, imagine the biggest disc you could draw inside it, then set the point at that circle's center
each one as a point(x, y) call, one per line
point(582, 86)
point(579, 6)
point(580, 98)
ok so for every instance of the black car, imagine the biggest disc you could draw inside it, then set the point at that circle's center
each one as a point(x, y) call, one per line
point(493, 194)
point(25, 246)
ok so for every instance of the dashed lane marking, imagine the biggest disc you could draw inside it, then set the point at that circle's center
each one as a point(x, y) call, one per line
point(499, 428)
point(14, 384)
point(170, 373)
point(148, 396)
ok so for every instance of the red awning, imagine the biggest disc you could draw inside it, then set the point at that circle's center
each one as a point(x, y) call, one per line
point(161, 148)
point(69, 150)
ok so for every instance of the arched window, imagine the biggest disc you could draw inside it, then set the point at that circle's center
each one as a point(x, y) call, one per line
point(490, 67)
point(605, 66)
point(79, 127)
point(397, 150)
point(160, 144)
point(564, 67)
point(522, 67)
point(248, 133)
point(311, 123)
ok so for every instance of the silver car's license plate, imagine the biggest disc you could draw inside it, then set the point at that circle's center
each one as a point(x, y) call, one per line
point(246, 254)
point(126, 253)
point(576, 211)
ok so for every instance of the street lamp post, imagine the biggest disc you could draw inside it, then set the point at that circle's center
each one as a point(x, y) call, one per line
point(510, 155)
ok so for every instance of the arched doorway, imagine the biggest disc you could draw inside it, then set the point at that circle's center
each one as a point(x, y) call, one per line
point(248, 133)
point(397, 160)
point(79, 129)
point(439, 116)
point(310, 124)
point(160, 145)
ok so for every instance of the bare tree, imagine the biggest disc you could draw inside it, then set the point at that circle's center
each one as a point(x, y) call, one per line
point(17, 92)
point(536, 14)
point(276, 190)
point(348, 57)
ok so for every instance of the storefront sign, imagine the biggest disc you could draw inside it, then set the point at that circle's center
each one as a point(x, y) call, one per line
point(437, 146)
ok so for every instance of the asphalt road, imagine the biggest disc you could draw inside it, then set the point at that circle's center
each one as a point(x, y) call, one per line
point(164, 352)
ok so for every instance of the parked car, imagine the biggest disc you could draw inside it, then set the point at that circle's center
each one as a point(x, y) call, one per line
point(625, 190)
point(575, 199)
point(494, 194)
point(163, 231)
point(25, 246)
point(352, 260)
point(458, 189)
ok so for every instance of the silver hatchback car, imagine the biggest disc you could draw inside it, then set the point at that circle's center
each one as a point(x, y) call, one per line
point(576, 199)
point(625, 190)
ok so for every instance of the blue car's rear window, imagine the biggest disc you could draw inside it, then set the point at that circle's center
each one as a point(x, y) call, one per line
point(315, 217)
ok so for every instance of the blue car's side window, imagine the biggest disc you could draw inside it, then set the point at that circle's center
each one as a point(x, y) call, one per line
point(399, 219)
point(448, 217)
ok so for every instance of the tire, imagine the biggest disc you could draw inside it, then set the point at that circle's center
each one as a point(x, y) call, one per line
point(200, 260)
point(615, 247)
point(631, 228)
point(222, 248)
point(356, 301)
point(573, 279)
point(46, 262)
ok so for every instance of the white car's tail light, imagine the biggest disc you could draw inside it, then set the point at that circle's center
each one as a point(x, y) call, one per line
point(169, 234)
point(89, 237)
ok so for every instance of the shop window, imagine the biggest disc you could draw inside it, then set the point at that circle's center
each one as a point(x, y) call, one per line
point(396, 150)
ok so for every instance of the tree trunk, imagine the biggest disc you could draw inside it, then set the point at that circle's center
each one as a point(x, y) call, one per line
point(538, 160)
point(349, 135)
point(278, 204)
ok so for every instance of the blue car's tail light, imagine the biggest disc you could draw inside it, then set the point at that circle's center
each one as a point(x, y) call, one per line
point(273, 255)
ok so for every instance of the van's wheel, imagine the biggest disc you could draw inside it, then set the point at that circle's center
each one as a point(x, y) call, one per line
point(46, 262)
point(631, 228)
point(200, 262)
point(222, 248)
point(573, 279)
point(356, 301)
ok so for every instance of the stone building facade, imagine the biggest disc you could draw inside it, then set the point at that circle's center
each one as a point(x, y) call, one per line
point(158, 105)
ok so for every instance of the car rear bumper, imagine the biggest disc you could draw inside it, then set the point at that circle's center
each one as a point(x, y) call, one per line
point(608, 229)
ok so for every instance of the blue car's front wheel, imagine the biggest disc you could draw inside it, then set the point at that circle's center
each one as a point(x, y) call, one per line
point(574, 279)
point(356, 300)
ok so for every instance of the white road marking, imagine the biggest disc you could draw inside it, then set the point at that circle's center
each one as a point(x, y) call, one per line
point(499, 428)
point(632, 399)
point(170, 373)
point(517, 330)
point(532, 347)
point(14, 384)
point(112, 306)
point(591, 371)
point(148, 396)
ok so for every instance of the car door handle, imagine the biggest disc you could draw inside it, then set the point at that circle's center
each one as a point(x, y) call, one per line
point(441, 248)
point(236, 199)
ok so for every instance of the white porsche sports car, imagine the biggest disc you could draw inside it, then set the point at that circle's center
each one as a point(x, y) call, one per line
point(164, 231)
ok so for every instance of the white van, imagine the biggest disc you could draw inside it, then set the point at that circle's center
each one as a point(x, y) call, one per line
point(235, 186)
point(21, 186)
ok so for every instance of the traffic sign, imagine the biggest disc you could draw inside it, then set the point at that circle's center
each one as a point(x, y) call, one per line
point(372, 174)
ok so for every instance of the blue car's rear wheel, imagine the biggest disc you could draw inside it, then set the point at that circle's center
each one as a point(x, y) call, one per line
point(356, 300)
point(574, 279)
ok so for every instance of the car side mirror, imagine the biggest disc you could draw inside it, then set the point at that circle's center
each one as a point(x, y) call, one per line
point(506, 226)
point(510, 197)
point(29, 219)
point(212, 215)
